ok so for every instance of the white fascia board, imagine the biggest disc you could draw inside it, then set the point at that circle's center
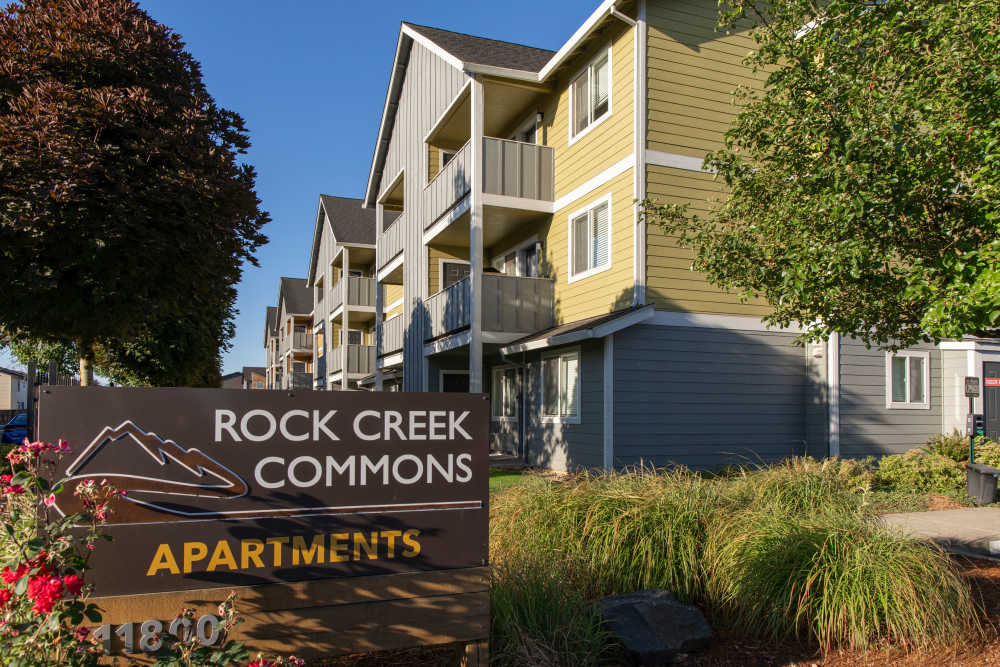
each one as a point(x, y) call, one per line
point(451, 342)
point(445, 221)
point(503, 72)
point(581, 34)
point(523, 203)
point(393, 264)
point(390, 360)
point(600, 331)
point(369, 200)
point(432, 47)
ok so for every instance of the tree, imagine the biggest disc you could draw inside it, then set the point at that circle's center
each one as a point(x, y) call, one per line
point(125, 216)
point(863, 180)
point(41, 354)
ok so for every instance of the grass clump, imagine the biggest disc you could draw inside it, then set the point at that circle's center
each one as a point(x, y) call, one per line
point(792, 550)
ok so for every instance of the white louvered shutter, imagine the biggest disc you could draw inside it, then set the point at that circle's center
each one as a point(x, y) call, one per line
point(602, 237)
point(567, 386)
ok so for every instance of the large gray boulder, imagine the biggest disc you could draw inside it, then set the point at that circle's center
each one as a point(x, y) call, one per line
point(653, 627)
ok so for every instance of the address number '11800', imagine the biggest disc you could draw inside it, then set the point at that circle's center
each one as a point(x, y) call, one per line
point(207, 630)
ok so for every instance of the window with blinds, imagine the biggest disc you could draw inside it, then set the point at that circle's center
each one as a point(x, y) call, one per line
point(561, 387)
point(591, 94)
point(503, 394)
point(907, 381)
point(590, 233)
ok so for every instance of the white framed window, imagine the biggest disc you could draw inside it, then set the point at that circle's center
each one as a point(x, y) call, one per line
point(446, 157)
point(590, 96)
point(561, 387)
point(452, 271)
point(520, 260)
point(590, 240)
point(354, 337)
point(907, 380)
point(503, 393)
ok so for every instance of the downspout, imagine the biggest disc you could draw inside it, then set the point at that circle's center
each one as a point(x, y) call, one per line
point(523, 421)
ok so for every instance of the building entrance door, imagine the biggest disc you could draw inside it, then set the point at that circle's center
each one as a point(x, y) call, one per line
point(991, 399)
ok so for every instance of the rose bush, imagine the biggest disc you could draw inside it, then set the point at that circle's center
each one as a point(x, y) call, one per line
point(43, 558)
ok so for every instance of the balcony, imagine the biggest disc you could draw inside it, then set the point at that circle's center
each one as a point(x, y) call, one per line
point(392, 335)
point(360, 360)
point(298, 342)
point(511, 304)
point(356, 291)
point(517, 169)
point(297, 380)
point(390, 242)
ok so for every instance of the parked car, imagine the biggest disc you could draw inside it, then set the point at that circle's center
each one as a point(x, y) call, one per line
point(16, 430)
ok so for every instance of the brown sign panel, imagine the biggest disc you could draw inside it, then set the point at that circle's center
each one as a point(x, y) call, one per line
point(237, 488)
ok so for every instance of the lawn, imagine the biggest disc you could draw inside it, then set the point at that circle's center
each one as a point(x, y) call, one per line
point(501, 479)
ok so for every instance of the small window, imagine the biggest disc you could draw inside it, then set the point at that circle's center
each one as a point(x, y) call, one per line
point(907, 380)
point(591, 94)
point(453, 272)
point(561, 387)
point(260, 385)
point(503, 394)
point(354, 337)
point(446, 157)
point(590, 240)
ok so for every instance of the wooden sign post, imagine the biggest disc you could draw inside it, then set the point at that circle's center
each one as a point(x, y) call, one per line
point(345, 521)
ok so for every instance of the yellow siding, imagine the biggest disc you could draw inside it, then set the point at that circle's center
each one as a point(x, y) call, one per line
point(434, 266)
point(671, 284)
point(392, 294)
point(611, 140)
point(693, 71)
point(605, 291)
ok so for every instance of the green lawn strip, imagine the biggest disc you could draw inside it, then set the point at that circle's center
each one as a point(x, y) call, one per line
point(500, 479)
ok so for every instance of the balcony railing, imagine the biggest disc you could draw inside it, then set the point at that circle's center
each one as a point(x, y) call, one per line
point(511, 304)
point(449, 186)
point(390, 242)
point(302, 341)
point(518, 169)
point(392, 335)
point(360, 359)
point(359, 292)
point(298, 380)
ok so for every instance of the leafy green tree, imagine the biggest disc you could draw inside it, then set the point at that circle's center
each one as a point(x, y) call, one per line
point(125, 215)
point(863, 179)
point(41, 353)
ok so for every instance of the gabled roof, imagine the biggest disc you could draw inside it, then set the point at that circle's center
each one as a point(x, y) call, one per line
point(18, 374)
point(296, 295)
point(476, 55)
point(271, 323)
point(248, 372)
point(598, 326)
point(350, 221)
point(485, 51)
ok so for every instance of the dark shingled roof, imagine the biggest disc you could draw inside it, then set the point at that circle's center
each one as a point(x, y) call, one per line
point(350, 222)
point(578, 325)
point(297, 295)
point(272, 319)
point(483, 51)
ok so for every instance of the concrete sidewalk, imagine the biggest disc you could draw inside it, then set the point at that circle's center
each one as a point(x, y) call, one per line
point(973, 531)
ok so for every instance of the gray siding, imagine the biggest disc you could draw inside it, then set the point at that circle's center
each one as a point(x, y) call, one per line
point(568, 446)
point(704, 397)
point(429, 86)
point(867, 427)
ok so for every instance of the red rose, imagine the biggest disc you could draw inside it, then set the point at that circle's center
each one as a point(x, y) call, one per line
point(73, 584)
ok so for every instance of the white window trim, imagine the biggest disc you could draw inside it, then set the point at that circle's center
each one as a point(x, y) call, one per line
point(559, 419)
point(923, 405)
point(571, 278)
point(441, 262)
point(441, 375)
point(523, 245)
point(517, 408)
point(572, 108)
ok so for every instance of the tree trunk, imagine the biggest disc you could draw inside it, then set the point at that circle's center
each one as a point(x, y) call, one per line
point(86, 364)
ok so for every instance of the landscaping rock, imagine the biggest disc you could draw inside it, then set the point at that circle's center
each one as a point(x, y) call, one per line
point(653, 627)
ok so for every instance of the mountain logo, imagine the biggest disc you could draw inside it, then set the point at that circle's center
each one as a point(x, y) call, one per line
point(166, 482)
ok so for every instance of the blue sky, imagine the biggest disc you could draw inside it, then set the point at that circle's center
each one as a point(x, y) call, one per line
point(309, 78)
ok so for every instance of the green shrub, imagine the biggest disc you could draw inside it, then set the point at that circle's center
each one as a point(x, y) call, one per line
point(987, 452)
point(954, 445)
point(920, 470)
point(839, 580)
point(792, 549)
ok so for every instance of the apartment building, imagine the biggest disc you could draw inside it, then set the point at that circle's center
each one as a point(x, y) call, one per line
point(253, 377)
point(342, 279)
point(510, 259)
point(288, 337)
point(13, 390)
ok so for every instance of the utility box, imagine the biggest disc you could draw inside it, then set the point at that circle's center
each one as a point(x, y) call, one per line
point(982, 483)
point(974, 425)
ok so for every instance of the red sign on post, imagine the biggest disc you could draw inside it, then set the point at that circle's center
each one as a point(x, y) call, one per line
point(991, 382)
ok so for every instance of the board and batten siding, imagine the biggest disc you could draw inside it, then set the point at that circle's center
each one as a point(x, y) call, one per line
point(704, 397)
point(867, 427)
point(568, 446)
point(692, 73)
point(429, 86)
